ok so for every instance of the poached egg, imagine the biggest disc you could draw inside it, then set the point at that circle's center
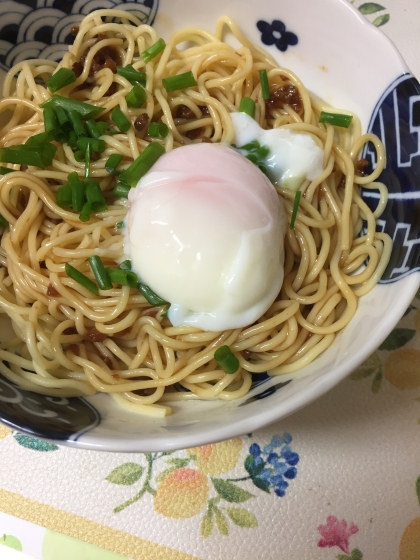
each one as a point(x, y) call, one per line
point(205, 231)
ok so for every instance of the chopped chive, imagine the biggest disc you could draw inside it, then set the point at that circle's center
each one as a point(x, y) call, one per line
point(4, 223)
point(265, 88)
point(38, 139)
point(72, 140)
point(97, 145)
point(295, 208)
point(142, 164)
point(5, 170)
point(95, 196)
point(123, 277)
point(64, 196)
point(112, 163)
point(120, 120)
point(77, 195)
point(121, 190)
point(247, 106)
point(133, 76)
point(125, 265)
point(136, 97)
point(180, 81)
point(150, 53)
point(88, 156)
point(119, 225)
point(157, 130)
point(60, 79)
point(86, 110)
point(79, 156)
point(80, 278)
point(86, 212)
point(100, 273)
point(77, 124)
point(37, 155)
point(336, 119)
point(150, 295)
point(103, 127)
point(227, 359)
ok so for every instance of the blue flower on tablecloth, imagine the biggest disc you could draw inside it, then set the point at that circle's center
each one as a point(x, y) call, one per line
point(275, 34)
point(271, 467)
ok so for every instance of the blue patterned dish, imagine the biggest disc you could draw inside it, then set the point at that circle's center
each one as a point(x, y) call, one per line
point(350, 64)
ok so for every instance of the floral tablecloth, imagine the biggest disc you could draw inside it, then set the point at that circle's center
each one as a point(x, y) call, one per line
point(337, 480)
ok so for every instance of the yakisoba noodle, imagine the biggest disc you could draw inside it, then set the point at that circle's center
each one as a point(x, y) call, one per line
point(70, 342)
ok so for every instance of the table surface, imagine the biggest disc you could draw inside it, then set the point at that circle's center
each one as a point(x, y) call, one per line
point(347, 466)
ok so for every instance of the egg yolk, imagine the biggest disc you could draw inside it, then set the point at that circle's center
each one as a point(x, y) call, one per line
point(205, 231)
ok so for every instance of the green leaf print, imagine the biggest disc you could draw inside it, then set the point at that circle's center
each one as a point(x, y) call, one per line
point(398, 338)
point(381, 20)
point(261, 484)
point(377, 382)
point(230, 492)
point(356, 554)
point(178, 463)
point(242, 517)
point(372, 366)
point(221, 522)
point(418, 488)
point(207, 524)
point(126, 474)
point(370, 8)
point(11, 542)
point(34, 443)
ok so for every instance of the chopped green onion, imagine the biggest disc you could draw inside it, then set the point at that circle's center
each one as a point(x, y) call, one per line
point(79, 156)
point(77, 195)
point(100, 273)
point(157, 130)
point(112, 163)
point(123, 277)
point(121, 190)
point(180, 81)
point(88, 157)
point(38, 156)
point(250, 146)
point(247, 106)
point(227, 359)
point(125, 265)
point(95, 196)
point(60, 79)
point(119, 225)
point(295, 208)
point(133, 76)
point(265, 88)
point(80, 278)
point(136, 97)
point(120, 120)
point(52, 127)
point(86, 212)
point(96, 144)
point(38, 139)
point(150, 295)
point(4, 223)
point(165, 310)
point(142, 164)
point(5, 170)
point(93, 129)
point(104, 128)
point(336, 119)
point(86, 110)
point(64, 196)
point(77, 124)
point(63, 118)
point(150, 53)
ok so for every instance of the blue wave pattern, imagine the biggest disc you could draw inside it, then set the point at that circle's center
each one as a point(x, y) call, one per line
point(41, 28)
point(396, 120)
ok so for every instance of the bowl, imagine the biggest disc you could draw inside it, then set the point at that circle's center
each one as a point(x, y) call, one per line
point(343, 59)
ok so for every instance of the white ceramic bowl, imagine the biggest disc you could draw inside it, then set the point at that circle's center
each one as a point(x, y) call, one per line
point(343, 59)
